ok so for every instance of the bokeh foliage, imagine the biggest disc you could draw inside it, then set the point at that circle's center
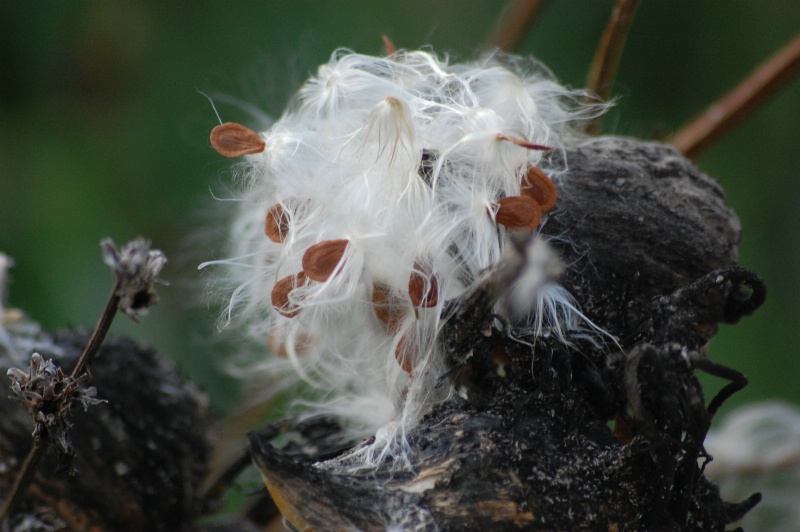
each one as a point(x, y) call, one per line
point(103, 131)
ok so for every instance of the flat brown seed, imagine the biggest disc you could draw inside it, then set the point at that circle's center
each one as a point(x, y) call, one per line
point(518, 213)
point(276, 225)
point(404, 353)
point(281, 291)
point(423, 287)
point(320, 260)
point(538, 186)
point(389, 45)
point(232, 140)
point(388, 306)
point(523, 143)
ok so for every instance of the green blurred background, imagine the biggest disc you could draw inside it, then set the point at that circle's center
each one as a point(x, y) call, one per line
point(103, 131)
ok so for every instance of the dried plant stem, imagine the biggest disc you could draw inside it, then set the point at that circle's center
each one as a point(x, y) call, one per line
point(29, 469)
point(99, 334)
point(514, 22)
point(608, 53)
point(725, 114)
point(39, 447)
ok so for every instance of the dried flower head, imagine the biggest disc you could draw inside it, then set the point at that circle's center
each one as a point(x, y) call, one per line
point(48, 394)
point(135, 267)
point(409, 171)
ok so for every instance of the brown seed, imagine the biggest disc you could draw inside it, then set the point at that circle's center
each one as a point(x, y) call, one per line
point(389, 45)
point(389, 307)
point(281, 291)
point(522, 143)
point(423, 287)
point(232, 140)
point(303, 344)
point(538, 186)
point(518, 213)
point(320, 260)
point(404, 353)
point(276, 225)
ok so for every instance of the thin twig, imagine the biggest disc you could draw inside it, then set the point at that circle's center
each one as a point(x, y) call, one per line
point(608, 53)
point(99, 334)
point(722, 116)
point(26, 476)
point(514, 22)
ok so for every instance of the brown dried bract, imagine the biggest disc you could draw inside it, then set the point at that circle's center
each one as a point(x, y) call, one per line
point(320, 260)
point(233, 140)
point(518, 213)
point(538, 186)
point(276, 225)
point(389, 306)
point(281, 291)
point(423, 287)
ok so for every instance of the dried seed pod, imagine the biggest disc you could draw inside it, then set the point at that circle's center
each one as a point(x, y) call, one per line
point(389, 306)
point(320, 260)
point(423, 287)
point(276, 225)
point(518, 213)
point(538, 186)
point(281, 291)
point(232, 140)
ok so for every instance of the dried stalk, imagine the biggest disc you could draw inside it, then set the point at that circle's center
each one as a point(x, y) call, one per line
point(608, 53)
point(723, 115)
point(135, 268)
point(513, 24)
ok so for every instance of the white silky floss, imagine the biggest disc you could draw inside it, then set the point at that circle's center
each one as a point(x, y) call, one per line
point(393, 168)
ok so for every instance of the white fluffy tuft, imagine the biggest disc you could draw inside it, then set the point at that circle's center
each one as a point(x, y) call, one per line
point(397, 165)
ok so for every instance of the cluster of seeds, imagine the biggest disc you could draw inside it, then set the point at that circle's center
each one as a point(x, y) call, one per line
point(385, 190)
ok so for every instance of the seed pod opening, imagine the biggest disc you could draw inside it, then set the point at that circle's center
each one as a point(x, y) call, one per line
point(321, 260)
point(281, 291)
point(233, 140)
point(538, 186)
point(518, 213)
point(423, 287)
point(276, 225)
point(389, 306)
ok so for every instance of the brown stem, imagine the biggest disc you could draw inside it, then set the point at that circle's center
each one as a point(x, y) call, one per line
point(26, 476)
point(608, 53)
point(722, 116)
point(514, 22)
point(99, 334)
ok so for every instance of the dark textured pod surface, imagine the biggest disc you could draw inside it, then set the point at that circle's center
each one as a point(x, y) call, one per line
point(139, 458)
point(527, 445)
point(635, 220)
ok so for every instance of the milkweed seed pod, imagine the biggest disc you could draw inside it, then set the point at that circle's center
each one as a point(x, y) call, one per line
point(385, 190)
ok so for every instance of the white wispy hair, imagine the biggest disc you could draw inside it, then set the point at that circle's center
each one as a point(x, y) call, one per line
point(757, 448)
point(404, 159)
